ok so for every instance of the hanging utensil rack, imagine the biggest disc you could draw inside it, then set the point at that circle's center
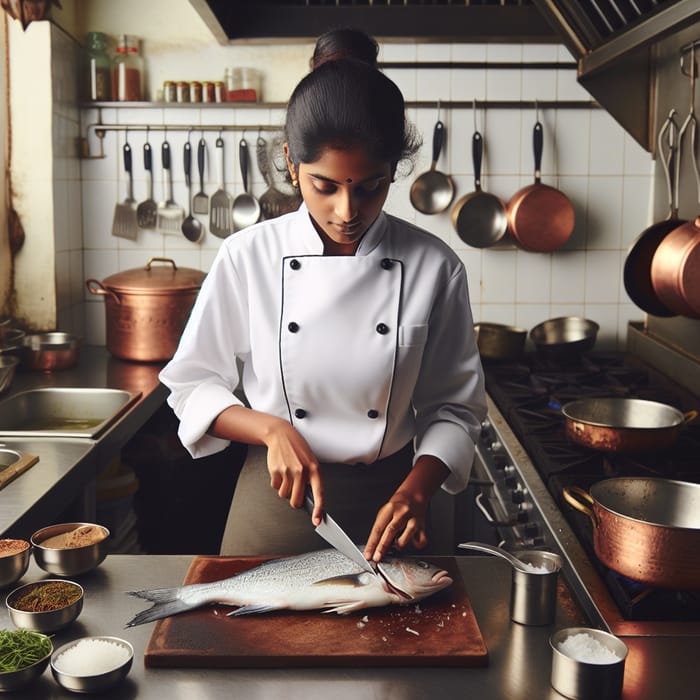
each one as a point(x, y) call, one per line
point(100, 128)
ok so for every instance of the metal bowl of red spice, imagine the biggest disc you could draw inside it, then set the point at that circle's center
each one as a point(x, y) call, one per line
point(45, 606)
point(14, 560)
point(70, 549)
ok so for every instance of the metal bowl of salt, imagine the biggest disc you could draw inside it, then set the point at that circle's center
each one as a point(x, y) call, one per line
point(92, 664)
point(587, 664)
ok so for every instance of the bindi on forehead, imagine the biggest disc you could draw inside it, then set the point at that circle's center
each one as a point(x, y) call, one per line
point(348, 180)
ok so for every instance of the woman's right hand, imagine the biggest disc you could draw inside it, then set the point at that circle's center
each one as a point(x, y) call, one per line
point(293, 465)
point(290, 461)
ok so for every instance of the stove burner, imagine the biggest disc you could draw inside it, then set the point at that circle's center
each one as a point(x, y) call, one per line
point(530, 394)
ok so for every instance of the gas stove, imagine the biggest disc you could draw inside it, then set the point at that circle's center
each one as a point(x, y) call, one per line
point(525, 460)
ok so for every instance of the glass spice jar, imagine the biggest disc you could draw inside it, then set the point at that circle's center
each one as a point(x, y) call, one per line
point(96, 68)
point(127, 70)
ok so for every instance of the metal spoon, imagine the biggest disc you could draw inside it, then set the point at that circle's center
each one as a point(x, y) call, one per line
point(192, 228)
point(513, 560)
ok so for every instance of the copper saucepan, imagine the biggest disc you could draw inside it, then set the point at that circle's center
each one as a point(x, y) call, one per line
point(647, 529)
point(624, 425)
point(540, 217)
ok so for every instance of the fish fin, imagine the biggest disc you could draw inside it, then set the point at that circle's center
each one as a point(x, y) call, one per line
point(345, 608)
point(253, 609)
point(354, 580)
point(166, 603)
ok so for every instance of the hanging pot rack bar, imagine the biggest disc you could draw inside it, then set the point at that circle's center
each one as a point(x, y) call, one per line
point(100, 128)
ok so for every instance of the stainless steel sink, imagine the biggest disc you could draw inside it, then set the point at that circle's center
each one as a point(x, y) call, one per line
point(63, 411)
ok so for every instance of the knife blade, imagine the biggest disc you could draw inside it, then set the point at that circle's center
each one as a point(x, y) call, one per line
point(336, 536)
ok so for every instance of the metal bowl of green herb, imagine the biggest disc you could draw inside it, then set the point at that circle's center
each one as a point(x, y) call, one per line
point(24, 656)
point(45, 606)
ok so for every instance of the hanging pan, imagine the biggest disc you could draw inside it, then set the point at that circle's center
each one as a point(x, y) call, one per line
point(540, 217)
point(675, 267)
point(637, 269)
point(432, 191)
point(479, 218)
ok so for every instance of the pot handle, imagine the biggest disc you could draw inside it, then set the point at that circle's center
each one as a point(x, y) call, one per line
point(101, 291)
point(164, 260)
point(570, 496)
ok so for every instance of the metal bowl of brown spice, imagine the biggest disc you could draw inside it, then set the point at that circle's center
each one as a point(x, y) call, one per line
point(45, 606)
point(14, 560)
point(70, 549)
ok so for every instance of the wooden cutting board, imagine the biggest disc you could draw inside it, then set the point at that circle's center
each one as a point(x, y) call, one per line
point(439, 631)
point(12, 471)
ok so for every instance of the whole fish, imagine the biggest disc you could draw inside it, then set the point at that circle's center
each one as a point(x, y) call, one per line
point(323, 580)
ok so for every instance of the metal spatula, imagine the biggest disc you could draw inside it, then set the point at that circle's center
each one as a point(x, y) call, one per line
point(124, 224)
point(170, 215)
point(147, 211)
point(200, 203)
point(221, 218)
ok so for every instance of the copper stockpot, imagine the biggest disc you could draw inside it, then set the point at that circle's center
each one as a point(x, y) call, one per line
point(147, 308)
point(647, 529)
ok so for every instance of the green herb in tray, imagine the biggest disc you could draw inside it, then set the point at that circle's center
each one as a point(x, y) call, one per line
point(22, 648)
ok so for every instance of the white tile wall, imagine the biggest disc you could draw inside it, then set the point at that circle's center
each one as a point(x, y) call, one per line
point(603, 171)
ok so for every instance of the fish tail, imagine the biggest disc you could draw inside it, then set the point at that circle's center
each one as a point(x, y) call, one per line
point(166, 602)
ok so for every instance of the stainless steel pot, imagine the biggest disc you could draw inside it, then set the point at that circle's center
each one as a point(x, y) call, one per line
point(147, 308)
point(646, 529)
point(565, 337)
point(497, 341)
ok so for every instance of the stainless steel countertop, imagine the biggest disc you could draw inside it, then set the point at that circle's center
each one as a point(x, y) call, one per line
point(519, 657)
point(67, 468)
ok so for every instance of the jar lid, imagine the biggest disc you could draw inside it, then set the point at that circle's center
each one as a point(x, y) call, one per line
point(156, 279)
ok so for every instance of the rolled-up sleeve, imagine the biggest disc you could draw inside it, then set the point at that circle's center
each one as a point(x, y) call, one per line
point(449, 399)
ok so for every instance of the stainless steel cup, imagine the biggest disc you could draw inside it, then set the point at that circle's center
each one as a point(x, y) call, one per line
point(581, 680)
point(533, 598)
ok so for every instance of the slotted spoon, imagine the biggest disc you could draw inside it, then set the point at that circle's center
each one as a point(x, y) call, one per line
point(147, 211)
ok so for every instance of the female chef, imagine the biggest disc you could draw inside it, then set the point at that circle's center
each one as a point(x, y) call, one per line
point(348, 333)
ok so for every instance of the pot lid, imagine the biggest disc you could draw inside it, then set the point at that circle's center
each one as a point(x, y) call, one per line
point(156, 279)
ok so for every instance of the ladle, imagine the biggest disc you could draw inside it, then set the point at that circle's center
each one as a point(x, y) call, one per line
point(191, 226)
point(489, 549)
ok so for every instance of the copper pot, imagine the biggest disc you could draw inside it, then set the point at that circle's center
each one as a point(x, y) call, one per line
point(624, 425)
point(147, 309)
point(646, 529)
point(675, 269)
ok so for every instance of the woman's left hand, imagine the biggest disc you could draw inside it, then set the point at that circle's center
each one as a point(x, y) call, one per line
point(402, 520)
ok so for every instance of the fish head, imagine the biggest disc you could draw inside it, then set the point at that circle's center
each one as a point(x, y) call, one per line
point(412, 579)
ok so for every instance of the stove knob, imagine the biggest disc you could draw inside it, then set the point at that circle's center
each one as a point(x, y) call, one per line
point(486, 424)
point(510, 476)
point(532, 529)
point(518, 495)
point(496, 446)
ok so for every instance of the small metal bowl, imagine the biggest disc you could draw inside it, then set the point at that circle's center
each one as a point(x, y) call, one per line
point(13, 566)
point(43, 621)
point(47, 352)
point(584, 680)
point(8, 365)
point(15, 680)
point(95, 683)
point(69, 561)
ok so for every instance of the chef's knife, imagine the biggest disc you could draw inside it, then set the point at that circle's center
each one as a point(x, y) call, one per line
point(336, 536)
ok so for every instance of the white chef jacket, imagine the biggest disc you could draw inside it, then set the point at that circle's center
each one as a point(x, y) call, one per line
point(360, 353)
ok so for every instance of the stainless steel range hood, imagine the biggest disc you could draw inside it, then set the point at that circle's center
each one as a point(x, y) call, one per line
point(614, 42)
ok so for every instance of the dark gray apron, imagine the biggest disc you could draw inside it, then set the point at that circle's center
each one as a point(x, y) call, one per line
point(261, 523)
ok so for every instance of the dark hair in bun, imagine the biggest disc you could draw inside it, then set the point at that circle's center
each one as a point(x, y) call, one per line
point(345, 43)
point(346, 102)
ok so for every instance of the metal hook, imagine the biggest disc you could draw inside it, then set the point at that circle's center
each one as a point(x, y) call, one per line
point(189, 133)
point(474, 114)
point(148, 128)
point(684, 50)
point(438, 110)
point(537, 111)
